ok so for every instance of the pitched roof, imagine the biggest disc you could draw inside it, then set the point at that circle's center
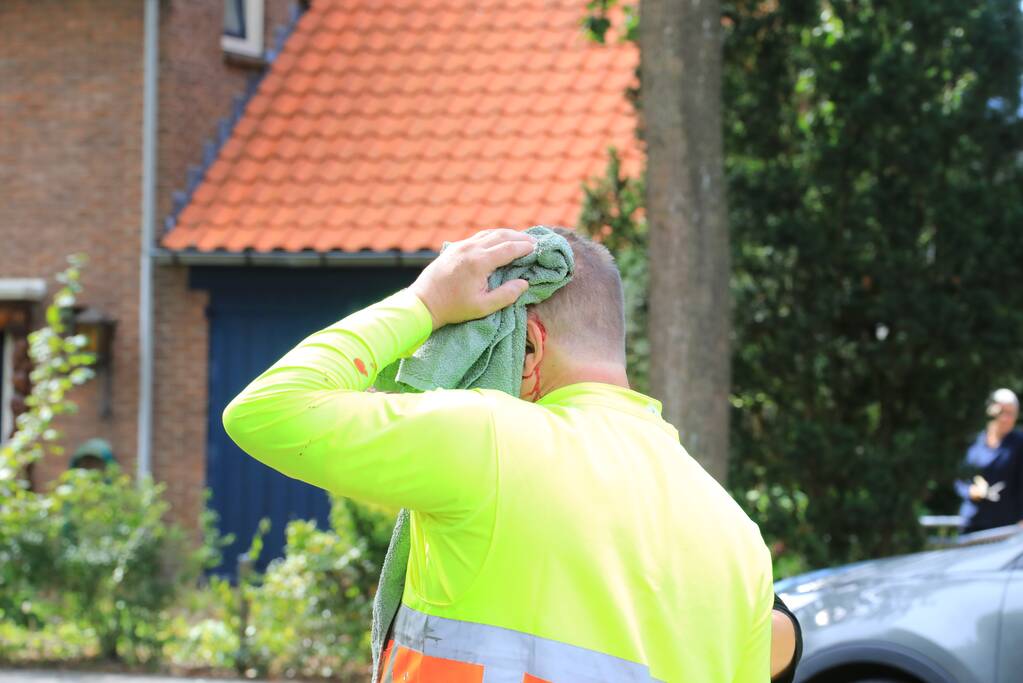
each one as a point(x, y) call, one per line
point(399, 124)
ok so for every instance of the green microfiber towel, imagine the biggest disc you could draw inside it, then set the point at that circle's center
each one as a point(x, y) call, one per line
point(487, 353)
point(479, 354)
point(390, 588)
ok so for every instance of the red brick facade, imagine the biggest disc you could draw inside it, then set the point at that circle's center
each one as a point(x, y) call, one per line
point(70, 112)
point(71, 94)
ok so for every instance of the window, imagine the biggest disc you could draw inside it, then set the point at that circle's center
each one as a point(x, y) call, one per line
point(6, 390)
point(234, 18)
point(243, 28)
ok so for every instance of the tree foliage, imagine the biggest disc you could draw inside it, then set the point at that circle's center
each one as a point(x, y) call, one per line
point(873, 157)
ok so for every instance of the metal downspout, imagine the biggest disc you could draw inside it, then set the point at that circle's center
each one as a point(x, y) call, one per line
point(149, 131)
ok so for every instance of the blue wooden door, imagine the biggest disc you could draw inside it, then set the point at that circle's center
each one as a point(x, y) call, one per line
point(255, 316)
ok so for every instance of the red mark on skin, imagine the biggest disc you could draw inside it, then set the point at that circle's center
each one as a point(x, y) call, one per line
point(361, 367)
point(543, 330)
point(534, 394)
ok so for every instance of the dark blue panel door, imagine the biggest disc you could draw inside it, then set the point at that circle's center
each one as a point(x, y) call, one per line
point(255, 317)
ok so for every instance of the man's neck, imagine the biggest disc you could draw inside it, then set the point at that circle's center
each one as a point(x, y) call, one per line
point(602, 373)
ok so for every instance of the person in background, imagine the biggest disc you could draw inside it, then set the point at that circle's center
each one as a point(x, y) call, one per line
point(991, 493)
point(94, 454)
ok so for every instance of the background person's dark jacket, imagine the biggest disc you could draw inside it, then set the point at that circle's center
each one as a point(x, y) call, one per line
point(1003, 463)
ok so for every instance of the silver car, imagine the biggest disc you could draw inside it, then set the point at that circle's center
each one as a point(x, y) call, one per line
point(953, 615)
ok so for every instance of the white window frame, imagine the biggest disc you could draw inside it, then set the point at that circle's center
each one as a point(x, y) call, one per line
point(7, 388)
point(252, 44)
point(13, 289)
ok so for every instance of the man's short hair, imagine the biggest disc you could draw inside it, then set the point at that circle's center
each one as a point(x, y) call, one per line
point(587, 316)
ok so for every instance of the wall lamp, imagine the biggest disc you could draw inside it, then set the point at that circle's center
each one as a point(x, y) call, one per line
point(98, 330)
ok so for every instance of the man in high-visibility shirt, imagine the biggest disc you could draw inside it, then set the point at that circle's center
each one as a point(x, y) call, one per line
point(562, 536)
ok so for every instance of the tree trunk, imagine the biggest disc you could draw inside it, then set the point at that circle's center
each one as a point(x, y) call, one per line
point(690, 311)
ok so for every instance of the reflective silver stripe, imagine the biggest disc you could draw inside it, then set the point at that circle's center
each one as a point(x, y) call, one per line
point(507, 655)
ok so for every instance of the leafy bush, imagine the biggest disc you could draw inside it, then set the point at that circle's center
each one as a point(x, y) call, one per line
point(308, 616)
point(311, 615)
point(26, 533)
point(209, 644)
point(56, 640)
point(98, 552)
point(94, 555)
point(118, 563)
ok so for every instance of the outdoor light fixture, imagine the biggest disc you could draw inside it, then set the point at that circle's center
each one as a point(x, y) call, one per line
point(98, 330)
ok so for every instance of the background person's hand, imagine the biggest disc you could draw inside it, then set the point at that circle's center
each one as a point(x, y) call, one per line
point(978, 489)
point(454, 287)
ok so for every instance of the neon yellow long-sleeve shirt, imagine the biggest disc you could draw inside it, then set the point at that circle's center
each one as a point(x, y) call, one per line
point(579, 519)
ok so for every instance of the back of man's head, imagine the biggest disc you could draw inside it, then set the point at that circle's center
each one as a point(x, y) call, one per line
point(586, 317)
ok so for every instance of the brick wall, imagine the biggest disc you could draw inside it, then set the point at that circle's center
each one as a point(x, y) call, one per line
point(179, 397)
point(70, 112)
point(70, 163)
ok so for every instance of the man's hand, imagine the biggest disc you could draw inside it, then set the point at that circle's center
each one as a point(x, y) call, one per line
point(454, 287)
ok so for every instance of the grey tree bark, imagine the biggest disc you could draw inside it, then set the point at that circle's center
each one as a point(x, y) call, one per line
point(690, 303)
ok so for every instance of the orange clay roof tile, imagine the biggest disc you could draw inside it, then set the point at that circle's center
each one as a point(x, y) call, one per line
point(397, 125)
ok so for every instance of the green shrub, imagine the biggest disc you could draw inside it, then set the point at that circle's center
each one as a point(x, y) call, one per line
point(308, 616)
point(98, 552)
point(26, 534)
point(209, 644)
point(119, 564)
point(57, 640)
point(26, 553)
point(311, 614)
point(91, 563)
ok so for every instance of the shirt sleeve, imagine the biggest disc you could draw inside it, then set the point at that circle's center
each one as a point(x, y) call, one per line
point(962, 489)
point(755, 664)
point(309, 417)
point(962, 486)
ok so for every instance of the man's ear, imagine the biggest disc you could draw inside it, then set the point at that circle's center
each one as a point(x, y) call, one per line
point(536, 341)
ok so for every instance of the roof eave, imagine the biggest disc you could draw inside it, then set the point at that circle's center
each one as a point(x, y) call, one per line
point(285, 259)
